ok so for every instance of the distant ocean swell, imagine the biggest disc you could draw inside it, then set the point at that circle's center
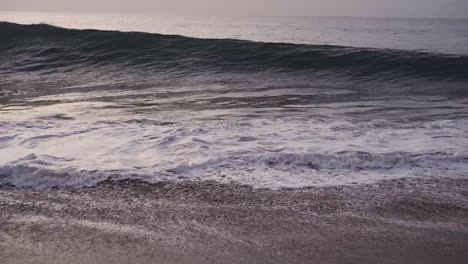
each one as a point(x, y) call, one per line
point(47, 49)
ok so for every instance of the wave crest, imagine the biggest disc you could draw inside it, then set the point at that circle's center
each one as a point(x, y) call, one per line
point(46, 48)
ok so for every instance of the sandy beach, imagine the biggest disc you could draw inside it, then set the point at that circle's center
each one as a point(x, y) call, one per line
point(233, 132)
point(398, 221)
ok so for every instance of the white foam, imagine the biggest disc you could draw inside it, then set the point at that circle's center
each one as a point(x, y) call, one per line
point(263, 152)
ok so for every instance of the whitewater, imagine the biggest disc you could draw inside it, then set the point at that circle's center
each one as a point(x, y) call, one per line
point(78, 107)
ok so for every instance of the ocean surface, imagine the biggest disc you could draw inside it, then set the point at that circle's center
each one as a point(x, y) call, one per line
point(271, 102)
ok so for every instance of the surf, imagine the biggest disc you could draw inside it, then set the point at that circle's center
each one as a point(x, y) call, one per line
point(49, 49)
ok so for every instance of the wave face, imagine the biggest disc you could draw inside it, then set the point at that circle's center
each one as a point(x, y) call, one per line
point(45, 48)
point(80, 106)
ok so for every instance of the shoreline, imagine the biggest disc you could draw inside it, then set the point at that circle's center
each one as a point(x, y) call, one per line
point(408, 220)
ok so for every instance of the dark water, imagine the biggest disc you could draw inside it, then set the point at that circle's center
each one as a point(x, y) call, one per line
point(78, 106)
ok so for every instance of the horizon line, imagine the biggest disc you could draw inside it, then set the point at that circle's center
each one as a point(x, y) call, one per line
point(223, 15)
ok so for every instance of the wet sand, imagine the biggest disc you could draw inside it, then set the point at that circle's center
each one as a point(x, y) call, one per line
point(399, 221)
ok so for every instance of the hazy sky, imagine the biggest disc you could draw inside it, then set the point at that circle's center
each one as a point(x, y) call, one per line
point(400, 8)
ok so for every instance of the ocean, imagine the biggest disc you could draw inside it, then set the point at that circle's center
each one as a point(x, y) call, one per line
point(269, 102)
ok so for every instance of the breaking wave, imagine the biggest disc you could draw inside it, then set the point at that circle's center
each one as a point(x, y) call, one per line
point(45, 48)
point(33, 171)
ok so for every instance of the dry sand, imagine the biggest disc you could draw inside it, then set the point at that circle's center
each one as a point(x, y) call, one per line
point(401, 221)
